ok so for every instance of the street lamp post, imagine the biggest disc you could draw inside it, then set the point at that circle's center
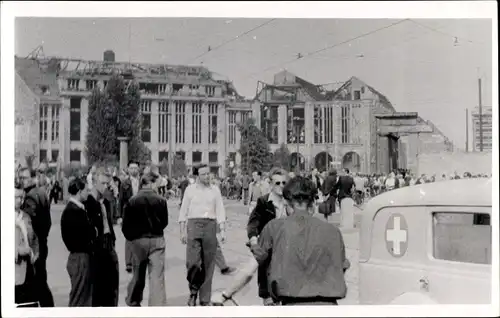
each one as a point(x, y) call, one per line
point(170, 144)
point(297, 137)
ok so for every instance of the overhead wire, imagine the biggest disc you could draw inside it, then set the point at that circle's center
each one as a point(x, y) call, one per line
point(231, 40)
point(435, 30)
point(330, 47)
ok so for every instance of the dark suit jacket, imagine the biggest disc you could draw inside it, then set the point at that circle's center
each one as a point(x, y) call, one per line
point(344, 187)
point(263, 212)
point(329, 186)
point(77, 231)
point(125, 194)
point(36, 204)
point(146, 215)
point(95, 214)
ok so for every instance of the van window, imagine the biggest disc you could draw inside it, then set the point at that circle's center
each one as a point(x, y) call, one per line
point(462, 237)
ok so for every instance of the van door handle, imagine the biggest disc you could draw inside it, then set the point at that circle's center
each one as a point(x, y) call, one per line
point(424, 283)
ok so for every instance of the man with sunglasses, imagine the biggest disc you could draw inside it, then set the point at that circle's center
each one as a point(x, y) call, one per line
point(268, 207)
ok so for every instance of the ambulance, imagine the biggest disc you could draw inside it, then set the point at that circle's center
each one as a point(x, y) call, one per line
point(427, 244)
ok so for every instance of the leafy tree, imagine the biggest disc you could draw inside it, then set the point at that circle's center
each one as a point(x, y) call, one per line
point(74, 169)
point(254, 149)
point(179, 167)
point(115, 112)
point(282, 157)
point(164, 166)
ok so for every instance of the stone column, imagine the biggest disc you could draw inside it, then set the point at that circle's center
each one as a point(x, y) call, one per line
point(172, 134)
point(309, 123)
point(154, 132)
point(49, 133)
point(189, 133)
point(221, 137)
point(204, 132)
point(238, 134)
point(309, 129)
point(64, 131)
point(123, 152)
point(256, 107)
point(84, 115)
point(282, 124)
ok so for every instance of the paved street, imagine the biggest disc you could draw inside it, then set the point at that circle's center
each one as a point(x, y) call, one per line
point(235, 251)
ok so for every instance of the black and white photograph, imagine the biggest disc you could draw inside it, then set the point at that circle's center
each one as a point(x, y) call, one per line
point(272, 157)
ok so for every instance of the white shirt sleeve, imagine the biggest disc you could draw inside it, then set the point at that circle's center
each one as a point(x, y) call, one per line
point(220, 211)
point(183, 213)
point(89, 181)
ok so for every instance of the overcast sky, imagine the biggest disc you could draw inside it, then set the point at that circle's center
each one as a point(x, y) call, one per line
point(433, 72)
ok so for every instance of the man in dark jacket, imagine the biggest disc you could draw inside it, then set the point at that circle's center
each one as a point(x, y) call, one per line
point(268, 207)
point(344, 186)
point(128, 188)
point(36, 204)
point(144, 220)
point(106, 283)
point(330, 192)
point(78, 234)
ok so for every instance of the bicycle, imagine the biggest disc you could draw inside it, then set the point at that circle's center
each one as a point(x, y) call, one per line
point(244, 276)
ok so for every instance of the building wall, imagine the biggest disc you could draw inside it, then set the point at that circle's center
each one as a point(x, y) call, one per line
point(378, 152)
point(26, 136)
point(221, 145)
point(434, 143)
point(487, 116)
point(451, 162)
point(364, 91)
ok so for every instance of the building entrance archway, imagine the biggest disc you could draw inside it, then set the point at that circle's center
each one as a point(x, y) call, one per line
point(297, 161)
point(322, 161)
point(351, 161)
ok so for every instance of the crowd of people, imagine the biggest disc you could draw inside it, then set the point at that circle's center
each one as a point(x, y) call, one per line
point(281, 206)
point(94, 204)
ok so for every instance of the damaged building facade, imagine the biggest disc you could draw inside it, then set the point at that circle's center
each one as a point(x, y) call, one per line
point(191, 109)
point(339, 127)
point(193, 114)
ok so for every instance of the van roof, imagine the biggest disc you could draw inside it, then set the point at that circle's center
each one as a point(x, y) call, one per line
point(462, 192)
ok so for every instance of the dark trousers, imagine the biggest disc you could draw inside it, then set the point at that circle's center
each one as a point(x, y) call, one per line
point(128, 254)
point(79, 268)
point(148, 254)
point(106, 283)
point(200, 256)
point(55, 197)
point(262, 279)
point(245, 196)
point(25, 294)
point(42, 287)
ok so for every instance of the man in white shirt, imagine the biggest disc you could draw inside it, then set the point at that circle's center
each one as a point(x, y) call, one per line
point(202, 213)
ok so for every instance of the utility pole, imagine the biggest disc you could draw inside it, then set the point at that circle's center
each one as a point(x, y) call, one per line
point(170, 144)
point(480, 116)
point(466, 130)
